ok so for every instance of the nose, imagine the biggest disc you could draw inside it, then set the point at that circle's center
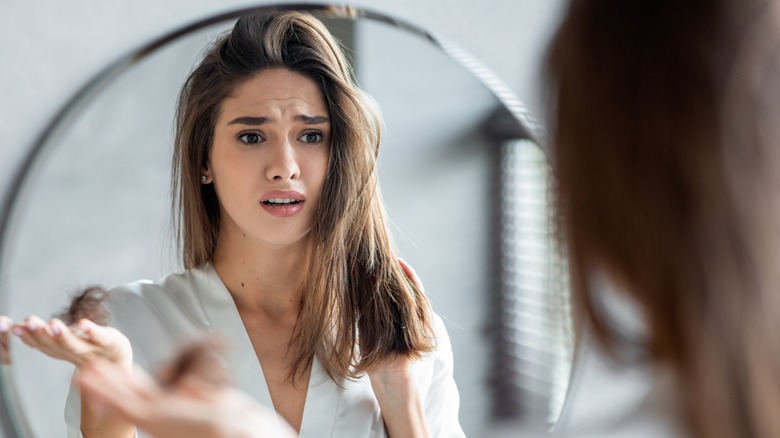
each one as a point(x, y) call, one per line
point(282, 164)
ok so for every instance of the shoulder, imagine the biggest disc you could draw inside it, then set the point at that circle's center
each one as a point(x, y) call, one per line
point(608, 397)
point(175, 291)
point(440, 332)
point(157, 316)
point(434, 362)
point(167, 286)
point(442, 351)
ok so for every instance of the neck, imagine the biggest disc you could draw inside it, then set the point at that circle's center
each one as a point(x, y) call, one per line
point(262, 278)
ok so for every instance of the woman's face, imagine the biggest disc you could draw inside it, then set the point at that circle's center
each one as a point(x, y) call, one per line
point(269, 157)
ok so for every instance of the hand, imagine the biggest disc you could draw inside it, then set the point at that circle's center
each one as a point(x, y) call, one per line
point(410, 274)
point(190, 409)
point(396, 389)
point(395, 373)
point(77, 344)
point(393, 380)
point(399, 399)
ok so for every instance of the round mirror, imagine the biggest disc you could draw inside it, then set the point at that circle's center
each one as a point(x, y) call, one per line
point(463, 179)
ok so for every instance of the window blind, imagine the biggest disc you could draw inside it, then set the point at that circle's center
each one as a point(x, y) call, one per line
point(535, 333)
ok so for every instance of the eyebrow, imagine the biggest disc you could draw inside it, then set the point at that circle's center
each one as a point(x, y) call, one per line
point(249, 121)
point(255, 121)
point(312, 120)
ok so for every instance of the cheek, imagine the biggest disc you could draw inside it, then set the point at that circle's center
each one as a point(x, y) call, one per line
point(228, 166)
point(323, 170)
point(317, 165)
point(324, 163)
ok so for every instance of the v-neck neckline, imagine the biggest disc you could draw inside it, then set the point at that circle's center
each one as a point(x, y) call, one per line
point(322, 395)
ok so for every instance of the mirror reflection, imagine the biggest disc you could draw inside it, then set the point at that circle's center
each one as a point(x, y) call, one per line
point(96, 210)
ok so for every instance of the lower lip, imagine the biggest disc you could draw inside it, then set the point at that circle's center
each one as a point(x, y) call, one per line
point(285, 210)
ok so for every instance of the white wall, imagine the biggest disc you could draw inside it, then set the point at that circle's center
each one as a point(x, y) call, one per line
point(51, 48)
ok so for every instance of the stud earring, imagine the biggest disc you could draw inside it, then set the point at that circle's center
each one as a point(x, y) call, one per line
point(204, 179)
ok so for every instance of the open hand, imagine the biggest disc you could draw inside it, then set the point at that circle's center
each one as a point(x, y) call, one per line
point(396, 390)
point(189, 409)
point(77, 344)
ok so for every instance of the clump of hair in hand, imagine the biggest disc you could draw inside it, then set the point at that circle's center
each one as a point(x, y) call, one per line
point(87, 304)
point(200, 362)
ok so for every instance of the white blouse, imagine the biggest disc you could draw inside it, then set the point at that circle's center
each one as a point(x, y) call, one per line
point(159, 317)
point(624, 394)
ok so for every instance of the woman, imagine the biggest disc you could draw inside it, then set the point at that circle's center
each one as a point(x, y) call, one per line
point(285, 249)
point(667, 154)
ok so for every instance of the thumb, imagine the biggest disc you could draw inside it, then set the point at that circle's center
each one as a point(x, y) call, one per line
point(410, 273)
point(112, 388)
point(114, 344)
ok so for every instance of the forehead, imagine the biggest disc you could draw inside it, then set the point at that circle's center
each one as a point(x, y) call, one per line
point(276, 90)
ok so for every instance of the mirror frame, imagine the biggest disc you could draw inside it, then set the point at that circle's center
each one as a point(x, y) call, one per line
point(518, 124)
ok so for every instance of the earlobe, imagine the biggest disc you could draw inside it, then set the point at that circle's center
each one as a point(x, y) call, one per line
point(205, 176)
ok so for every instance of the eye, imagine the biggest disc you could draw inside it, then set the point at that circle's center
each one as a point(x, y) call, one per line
point(251, 138)
point(311, 137)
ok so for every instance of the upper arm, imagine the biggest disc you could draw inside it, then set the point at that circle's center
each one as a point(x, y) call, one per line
point(442, 400)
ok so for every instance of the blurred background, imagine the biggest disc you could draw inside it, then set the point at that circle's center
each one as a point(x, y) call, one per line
point(465, 198)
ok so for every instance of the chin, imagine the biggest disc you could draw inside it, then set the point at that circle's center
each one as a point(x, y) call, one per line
point(280, 241)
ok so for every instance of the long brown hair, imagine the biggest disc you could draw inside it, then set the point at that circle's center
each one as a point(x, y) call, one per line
point(666, 144)
point(355, 293)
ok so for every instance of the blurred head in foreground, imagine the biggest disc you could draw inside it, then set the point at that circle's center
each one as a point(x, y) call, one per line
point(666, 142)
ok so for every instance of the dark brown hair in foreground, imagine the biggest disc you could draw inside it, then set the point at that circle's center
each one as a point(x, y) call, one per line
point(666, 141)
point(202, 361)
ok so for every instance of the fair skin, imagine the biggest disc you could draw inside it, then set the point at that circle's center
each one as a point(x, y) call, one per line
point(272, 138)
point(194, 409)
point(268, 163)
point(80, 344)
point(191, 409)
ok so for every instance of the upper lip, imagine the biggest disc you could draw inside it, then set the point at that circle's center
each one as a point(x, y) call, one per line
point(283, 194)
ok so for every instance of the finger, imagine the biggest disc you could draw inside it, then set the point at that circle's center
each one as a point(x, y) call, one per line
point(41, 332)
point(57, 327)
point(5, 324)
point(198, 388)
point(65, 338)
point(97, 334)
point(5, 329)
point(138, 380)
point(36, 334)
point(21, 332)
point(410, 273)
point(112, 343)
point(117, 389)
point(72, 348)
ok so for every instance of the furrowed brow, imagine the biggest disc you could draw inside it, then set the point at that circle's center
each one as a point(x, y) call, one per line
point(252, 121)
point(312, 120)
